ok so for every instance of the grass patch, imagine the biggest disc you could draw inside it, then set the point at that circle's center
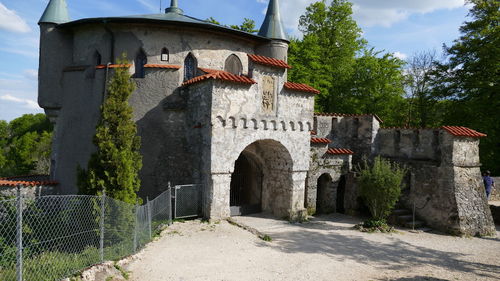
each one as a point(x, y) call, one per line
point(373, 225)
point(123, 272)
point(266, 238)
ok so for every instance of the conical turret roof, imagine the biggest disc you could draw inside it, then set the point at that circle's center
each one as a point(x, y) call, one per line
point(56, 12)
point(174, 8)
point(273, 27)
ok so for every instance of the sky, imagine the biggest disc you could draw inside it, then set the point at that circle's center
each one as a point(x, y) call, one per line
point(402, 27)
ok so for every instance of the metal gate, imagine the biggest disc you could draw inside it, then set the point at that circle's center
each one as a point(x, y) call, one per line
point(187, 201)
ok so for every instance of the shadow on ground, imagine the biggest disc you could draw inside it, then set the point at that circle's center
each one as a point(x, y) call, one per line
point(338, 242)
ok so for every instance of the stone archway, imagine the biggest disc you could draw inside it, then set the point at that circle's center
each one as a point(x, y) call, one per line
point(265, 166)
point(325, 197)
point(245, 195)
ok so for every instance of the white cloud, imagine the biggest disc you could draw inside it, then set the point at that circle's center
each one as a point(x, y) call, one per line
point(30, 104)
point(400, 55)
point(388, 12)
point(31, 74)
point(11, 21)
point(368, 12)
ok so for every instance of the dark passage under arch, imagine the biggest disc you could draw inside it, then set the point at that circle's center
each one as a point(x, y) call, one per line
point(246, 186)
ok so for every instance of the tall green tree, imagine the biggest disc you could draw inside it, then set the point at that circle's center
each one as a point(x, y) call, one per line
point(334, 58)
point(326, 54)
point(115, 166)
point(25, 145)
point(470, 79)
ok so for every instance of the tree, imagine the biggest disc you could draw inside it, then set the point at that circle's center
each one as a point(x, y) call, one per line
point(248, 25)
point(334, 58)
point(380, 186)
point(422, 105)
point(25, 145)
point(115, 165)
point(376, 86)
point(326, 54)
point(469, 80)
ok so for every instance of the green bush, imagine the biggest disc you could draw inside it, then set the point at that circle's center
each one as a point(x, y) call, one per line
point(380, 185)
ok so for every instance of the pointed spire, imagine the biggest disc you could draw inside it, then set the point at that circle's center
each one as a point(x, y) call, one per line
point(56, 12)
point(174, 8)
point(272, 27)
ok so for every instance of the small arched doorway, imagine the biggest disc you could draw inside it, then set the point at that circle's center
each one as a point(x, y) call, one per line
point(262, 180)
point(324, 186)
point(246, 186)
point(341, 195)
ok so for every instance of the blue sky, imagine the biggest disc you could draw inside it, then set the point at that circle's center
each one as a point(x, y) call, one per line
point(403, 27)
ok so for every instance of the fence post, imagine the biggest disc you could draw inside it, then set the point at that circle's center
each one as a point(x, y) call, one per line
point(19, 235)
point(169, 201)
point(136, 225)
point(149, 217)
point(101, 242)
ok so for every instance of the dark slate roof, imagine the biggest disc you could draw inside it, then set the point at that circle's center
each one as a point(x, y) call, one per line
point(170, 18)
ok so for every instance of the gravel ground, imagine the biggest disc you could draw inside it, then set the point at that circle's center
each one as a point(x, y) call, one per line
point(326, 248)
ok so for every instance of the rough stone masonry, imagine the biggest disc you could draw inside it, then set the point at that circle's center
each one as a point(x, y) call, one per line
point(213, 105)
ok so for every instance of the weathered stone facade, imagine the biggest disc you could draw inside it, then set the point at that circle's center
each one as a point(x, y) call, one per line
point(240, 129)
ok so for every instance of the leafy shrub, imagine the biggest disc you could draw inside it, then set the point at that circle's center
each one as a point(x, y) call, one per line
point(380, 186)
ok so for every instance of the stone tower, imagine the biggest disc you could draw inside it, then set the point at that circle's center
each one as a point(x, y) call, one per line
point(272, 28)
point(54, 56)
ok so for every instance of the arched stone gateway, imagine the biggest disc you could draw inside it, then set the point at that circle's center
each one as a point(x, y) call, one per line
point(324, 194)
point(261, 179)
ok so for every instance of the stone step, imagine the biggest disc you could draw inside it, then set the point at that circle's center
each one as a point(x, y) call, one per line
point(418, 224)
point(401, 212)
point(405, 218)
point(425, 229)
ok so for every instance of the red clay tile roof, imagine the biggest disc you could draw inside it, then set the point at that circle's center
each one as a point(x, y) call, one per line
point(320, 140)
point(27, 183)
point(300, 87)
point(335, 151)
point(103, 66)
point(220, 75)
point(167, 66)
point(313, 133)
point(347, 115)
point(463, 132)
point(269, 61)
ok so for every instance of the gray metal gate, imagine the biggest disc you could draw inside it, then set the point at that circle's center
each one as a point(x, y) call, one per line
point(187, 201)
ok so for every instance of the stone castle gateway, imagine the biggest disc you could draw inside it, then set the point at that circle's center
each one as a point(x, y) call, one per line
point(213, 106)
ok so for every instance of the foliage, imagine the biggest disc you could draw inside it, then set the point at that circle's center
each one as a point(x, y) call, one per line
point(380, 186)
point(422, 105)
point(469, 80)
point(115, 165)
point(248, 25)
point(333, 57)
point(373, 225)
point(25, 145)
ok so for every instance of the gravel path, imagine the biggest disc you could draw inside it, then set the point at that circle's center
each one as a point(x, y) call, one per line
point(327, 248)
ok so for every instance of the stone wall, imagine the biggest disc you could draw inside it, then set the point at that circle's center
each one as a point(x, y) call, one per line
point(332, 168)
point(165, 124)
point(29, 192)
point(239, 123)
point(444, 181)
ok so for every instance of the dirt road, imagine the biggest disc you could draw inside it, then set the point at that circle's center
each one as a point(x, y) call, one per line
point(327, 248)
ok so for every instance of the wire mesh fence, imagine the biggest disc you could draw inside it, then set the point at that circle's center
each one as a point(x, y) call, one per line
point(52, 237)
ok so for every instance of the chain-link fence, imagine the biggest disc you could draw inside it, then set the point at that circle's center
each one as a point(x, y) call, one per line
point(52, 237)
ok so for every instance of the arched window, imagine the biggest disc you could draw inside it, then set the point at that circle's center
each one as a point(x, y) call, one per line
point(233, 65)
point(97, 58)
point(140, 60)
point(189, 67)
point(165, 55)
